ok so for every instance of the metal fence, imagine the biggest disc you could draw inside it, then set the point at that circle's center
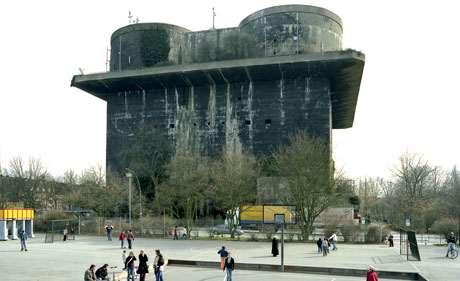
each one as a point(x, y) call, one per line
point(408, 246)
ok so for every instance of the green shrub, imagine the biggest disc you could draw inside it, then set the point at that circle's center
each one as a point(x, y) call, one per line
point(154, 46)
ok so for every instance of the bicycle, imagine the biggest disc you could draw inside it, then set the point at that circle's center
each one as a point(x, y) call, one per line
point(452, 253)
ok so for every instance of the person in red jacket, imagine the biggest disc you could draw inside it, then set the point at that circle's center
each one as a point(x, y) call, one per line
point(371, 275)
point(122, 238)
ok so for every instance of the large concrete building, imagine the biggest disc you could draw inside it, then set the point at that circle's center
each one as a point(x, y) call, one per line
point(245, 88)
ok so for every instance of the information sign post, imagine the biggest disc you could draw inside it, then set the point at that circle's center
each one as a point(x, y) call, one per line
point(279, 219)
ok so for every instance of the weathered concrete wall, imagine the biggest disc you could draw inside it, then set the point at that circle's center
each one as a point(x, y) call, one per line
point(244, 88)
point(275, 31)
point(126, 45)
point(254, 116)
point(292, 29)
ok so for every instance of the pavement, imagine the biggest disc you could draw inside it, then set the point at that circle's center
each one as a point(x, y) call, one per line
point(68, 261)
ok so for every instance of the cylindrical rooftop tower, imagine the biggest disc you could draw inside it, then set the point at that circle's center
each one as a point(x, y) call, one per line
point(294, 29)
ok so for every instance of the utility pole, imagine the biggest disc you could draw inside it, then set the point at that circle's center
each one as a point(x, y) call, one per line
point(129, 175)
point(140, 197)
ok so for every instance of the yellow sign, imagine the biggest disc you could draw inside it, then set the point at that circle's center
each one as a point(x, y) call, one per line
point(257, 214)
point(16, 214)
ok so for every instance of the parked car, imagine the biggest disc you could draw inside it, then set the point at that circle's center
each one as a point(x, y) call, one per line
point(223, 229)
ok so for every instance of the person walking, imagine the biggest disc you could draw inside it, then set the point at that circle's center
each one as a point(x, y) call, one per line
point(130, 239)
point(156, 267)
point(176, 233)
point(109, 228)
point(229, 266)
point(130, 265)
point(184, 233)
point(123, 258)
point(275, 250)
point(64, 234)
point(161, 267)
point(319, 243)
point(371, 275)
point(390, 240)
point(89, 274)
point(101, 273)
point(223, 255)
point(23, 238)
point(334, 240)
point(325, 247)
point(451, 240)
point(143, 268)
point(122, 239)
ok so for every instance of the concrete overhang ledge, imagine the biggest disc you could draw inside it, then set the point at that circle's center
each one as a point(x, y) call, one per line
point(343, 68)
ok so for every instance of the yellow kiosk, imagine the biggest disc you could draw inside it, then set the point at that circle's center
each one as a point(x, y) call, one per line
point(15, 220)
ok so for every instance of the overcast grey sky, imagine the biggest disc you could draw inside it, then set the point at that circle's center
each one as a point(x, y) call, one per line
point(409, 97)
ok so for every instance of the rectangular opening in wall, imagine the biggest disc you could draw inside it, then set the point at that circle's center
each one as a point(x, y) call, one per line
point(247, 122)
point(268, 121)
point(172, 126)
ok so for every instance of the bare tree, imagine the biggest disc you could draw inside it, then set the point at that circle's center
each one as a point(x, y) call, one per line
point(413, 183)
point(314, 185)
point(98, 192)
point(146, 151)
point(370, 193)
point(451, 197)
point(234, 180)
point(184, 188)
point(30, 181)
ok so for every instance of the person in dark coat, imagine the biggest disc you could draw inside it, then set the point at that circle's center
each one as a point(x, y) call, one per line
point(156, 267)
point(275, 251)
point(130, 265)
point(143, 267)
point(229, 266)
point(319, 243)
point(161, 267)
point(101, 273)
point(390, 240)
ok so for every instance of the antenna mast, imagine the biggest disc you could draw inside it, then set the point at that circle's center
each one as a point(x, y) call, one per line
point(130, 17)
point(213, 18)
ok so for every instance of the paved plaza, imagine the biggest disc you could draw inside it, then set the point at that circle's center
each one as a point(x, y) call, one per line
point(68, 261)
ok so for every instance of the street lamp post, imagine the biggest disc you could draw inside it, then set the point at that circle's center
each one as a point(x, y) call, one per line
point(129, 175)
point(140, 196)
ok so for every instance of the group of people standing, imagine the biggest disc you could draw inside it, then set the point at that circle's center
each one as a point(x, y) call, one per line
point(143, 268)
point(323, 245)
point(129, 264)
point(129, 237)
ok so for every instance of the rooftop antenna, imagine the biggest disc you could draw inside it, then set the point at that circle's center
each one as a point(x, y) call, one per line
point(213, 18)
point(130, 17)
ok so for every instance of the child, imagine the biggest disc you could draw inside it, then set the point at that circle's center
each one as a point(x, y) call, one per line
point(319, 243)
point(123, 257)
point(325, 247)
